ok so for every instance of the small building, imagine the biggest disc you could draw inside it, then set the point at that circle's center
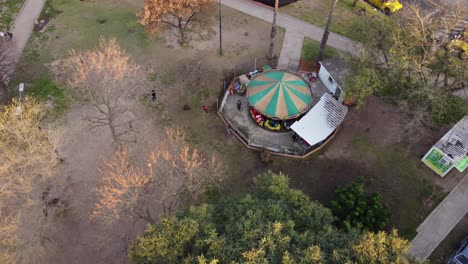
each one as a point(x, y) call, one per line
point(332, 73)
point(451, 151)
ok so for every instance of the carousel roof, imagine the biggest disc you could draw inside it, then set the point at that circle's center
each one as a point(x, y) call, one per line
point(278, 94)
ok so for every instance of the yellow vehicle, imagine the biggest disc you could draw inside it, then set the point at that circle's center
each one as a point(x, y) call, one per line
point(461, 48)
point(387, 6)
point(461, 44)
point(272, 125)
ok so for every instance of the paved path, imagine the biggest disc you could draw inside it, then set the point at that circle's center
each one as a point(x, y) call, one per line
point(462, 93)
point(296, 30)
point(290, 56)
point(441, 221)
point(23, 27)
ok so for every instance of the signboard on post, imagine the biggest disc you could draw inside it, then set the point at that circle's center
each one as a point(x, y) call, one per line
point(438, 161)
point(21, 87)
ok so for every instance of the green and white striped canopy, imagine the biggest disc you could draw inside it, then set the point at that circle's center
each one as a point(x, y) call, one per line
point(279, 95)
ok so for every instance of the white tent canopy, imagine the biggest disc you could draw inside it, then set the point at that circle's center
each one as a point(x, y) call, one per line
point(321, 120)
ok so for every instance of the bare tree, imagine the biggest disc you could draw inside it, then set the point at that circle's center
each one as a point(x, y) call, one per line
point(183, 173)
point(185, 16)
point(124, 188)
point(173, 173)
point(28, 174)
point(106, 76)
point(7, 67)
point(273, 31)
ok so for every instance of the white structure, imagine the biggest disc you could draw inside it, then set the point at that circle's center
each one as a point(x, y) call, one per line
point(321, 121)
point(332, 73)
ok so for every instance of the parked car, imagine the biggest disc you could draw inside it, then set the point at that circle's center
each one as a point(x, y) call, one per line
point(386, 6)
point(461, 255)
point(272, 2)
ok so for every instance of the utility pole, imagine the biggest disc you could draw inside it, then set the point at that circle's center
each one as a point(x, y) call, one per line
point(273, 32)
point(326, 32)
point(220, 31)
point(21, 90)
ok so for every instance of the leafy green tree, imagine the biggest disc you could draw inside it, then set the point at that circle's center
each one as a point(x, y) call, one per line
point(273, 224)
point(353, 205)
point(365, 80)
point(411, 62)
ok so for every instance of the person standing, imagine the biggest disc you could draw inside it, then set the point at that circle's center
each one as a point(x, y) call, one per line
point(153, 95)
point(9, 36)
point(295, 137)
point(239, 105)
point(205, 108)
point(228, 130)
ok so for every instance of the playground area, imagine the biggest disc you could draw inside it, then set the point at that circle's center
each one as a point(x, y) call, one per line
point(263, 107)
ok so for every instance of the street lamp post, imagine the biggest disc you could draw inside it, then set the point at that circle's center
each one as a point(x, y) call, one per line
point(21, 90)
point(220, 31)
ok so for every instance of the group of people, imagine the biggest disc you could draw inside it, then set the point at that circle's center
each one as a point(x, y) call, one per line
point(8, 36)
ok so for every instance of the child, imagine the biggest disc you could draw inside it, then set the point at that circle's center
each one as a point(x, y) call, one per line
point(153, 95)
point(205, 108)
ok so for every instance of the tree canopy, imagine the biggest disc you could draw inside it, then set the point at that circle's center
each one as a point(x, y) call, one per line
point(352, 204)
point(411, 62)
point(106, 77)
point(30, 185)
point(273, 224)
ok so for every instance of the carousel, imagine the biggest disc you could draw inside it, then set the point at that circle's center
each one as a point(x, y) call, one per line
point(277, 99)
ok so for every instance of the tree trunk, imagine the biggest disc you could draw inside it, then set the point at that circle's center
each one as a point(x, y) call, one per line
point(326, 32)
point(4, 94)
point(183, 38)
point(182, 33)
point(273, 32)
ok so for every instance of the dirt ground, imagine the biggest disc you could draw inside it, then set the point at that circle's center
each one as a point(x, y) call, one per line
point(184, 76)
point(369, 144)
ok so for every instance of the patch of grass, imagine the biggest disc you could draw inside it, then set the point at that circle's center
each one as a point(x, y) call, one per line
point(401, 183)
point(47, 91)
point(201, 95)
point(310, 50)
point(80, 24)
point(49, 10)
point(152, 77)
point(8, 11)
point(170, 78)
point(316, 12)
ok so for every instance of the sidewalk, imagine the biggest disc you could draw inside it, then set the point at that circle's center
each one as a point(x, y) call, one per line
point(290, 56)
point(23, 27)
point(296, 31)
point(441, 221)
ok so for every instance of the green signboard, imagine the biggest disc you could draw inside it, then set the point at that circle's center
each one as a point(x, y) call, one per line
point(462, 164)
point(438, 161)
